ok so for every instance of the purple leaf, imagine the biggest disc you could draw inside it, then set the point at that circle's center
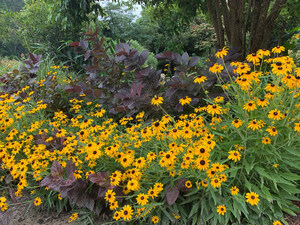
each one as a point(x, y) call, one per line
point(87, 55)
point(171, 194)
point(142, 73)
point(100, 178)
point(70, 168)
point(193, 61)
point(180, 184)
point(84, 44)
point(184, 58)
point(56, 170)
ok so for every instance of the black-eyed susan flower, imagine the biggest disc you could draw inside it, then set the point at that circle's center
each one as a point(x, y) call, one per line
point(236, 123)
point(37, 201)
point(185, 100)
point(277, 222)
point(214, 109)
point(142, 199)
point(263, 52)
point(262, 102)
point(297, 127)
point(158, 187)
point(278, 49)
point(254, 58)
point(152, 193)
point(266, 140)
point(202, 163)
point(127, 212)
point(188, 184)
point(250, 106)
point(133, 185)
point(117, 215)
point(221, 209)
point(155, 219)
point(216, 68)
point(275, 115)
point(252, 198)
point(234, 190)
point(221, 52)
point(200, 79)
point(113, 205)
point(272, 130)
point(215, 182)
point(255, 125)
point(234, 155)
point(110, 196)
point(73, 217)
point(157, 100)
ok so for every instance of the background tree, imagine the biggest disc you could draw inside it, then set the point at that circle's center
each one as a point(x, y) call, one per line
point(232, 20)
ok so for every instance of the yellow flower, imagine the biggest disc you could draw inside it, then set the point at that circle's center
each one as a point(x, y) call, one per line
point(188, 184)
point(157, 100)
point(216, 68)
point(221, 52)
point(113, 205)
point(250, 106)
point(234, 155)
point(254, 58)
point(155, 219)
point(237, 123)
point(37, 201)
point(266, 140)
point(277, 222)
point(252, 198)
point(221, 209)
point(215, 182)
point(200, 79)
point(73, 217)
point(234, 190)
point(117, 216)
point(127, 212)
point(142, 199)
point(185, 100)
point(278, 49)
point(110, 196)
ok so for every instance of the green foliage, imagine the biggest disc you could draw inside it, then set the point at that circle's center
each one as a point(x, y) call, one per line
point(13, 5)
point(151, 60)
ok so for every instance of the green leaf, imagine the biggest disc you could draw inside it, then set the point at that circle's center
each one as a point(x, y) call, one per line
point(166, 213)
point(266, 194)
point(289, 188)
point(292, 150)
point(194, 209)
point(291, 176)
point(262, 172)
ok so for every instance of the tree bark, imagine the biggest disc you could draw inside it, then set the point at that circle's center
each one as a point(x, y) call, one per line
point(236, 14)
point(226, 16)
point(260, 32)
point(213, 16)
point(244, 28)
point(219, 22)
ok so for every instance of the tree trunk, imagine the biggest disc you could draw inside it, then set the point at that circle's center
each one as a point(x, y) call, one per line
point(236, 14)
point(216, 23)
point(261, 28)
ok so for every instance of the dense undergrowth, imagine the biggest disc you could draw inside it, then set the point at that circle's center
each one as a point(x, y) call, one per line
point(232, 160)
